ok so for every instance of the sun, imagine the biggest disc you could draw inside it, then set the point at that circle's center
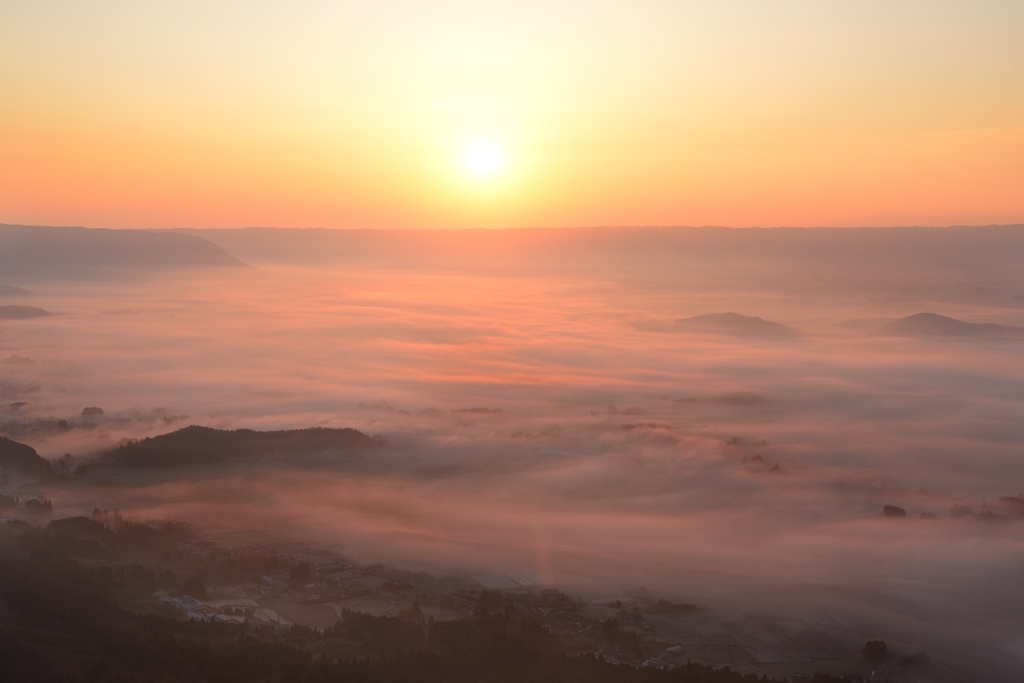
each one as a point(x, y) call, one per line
point(483, 159)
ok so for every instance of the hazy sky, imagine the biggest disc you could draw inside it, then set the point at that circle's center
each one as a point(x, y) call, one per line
point(456, 113)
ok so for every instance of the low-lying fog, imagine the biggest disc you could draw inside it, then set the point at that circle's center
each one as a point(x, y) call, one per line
point(613, 451)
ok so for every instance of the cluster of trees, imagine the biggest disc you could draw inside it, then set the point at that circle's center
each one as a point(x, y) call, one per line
point(88, 538)
point(893, 511)
point(195, 587)
point(663, 606)
point(492, 602)
point(628, 640)
point(32, 506)
point(874, 649)
point(108, 536)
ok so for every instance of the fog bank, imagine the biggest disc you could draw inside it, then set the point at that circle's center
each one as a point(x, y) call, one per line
point(555, 419)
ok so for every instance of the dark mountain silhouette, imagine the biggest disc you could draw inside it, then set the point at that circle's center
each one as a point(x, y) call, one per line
point(11, 290)
point(17, 457)
point(22, 312)
point(37, 252)
point(935, 325)
point(735, 325)
point(195, 444)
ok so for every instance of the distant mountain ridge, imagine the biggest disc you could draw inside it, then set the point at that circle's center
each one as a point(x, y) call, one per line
point(40, 252)
point(735, 325)
point(935, 325)
point(583, 246)
point(11, 290)
point(194, 445)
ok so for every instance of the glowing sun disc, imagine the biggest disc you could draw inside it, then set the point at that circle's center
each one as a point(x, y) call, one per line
point(483, 159)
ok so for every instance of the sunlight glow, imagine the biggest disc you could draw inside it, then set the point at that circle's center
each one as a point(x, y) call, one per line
point(483, 159)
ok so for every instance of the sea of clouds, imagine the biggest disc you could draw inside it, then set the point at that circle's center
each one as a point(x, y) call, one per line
point(547, 418)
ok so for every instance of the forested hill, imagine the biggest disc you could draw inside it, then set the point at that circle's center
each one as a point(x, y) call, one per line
point(23, 459)
point(196, 444)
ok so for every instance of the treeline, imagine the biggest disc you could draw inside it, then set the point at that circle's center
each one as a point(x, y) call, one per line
point(108, 537)
point(89, 538)
point(33, 506)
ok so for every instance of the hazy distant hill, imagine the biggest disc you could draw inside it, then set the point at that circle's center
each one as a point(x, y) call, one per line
point(587, 247)
point(36, 252)
point(975, 264)
point(17, 457)
point(22, 312)
point(196, 444)
point(990, 246)
point(935, 325)
point(11, 290)
point(735, 325)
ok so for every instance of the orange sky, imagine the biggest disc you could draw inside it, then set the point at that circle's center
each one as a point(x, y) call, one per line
point(358, 114)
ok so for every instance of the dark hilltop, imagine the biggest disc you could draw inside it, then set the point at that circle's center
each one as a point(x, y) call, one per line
point(735, 325)
point(194, 445)
point(935, 325)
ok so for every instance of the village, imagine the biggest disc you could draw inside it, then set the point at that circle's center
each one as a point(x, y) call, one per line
point(314, 588)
